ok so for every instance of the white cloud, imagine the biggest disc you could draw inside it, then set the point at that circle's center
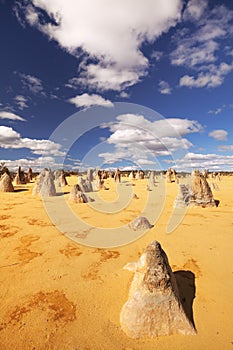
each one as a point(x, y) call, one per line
point(207, 161)
point(215, 111)
point(21, 101)
point(86, 100)
point(32, 83)
point(35, 163)
point(195, 9)
point(9, 138)
point(110, 32)
point(164, 88)
point(136, 138)
point(226, 148)
point(220, 135)
point(202, 49)
point(10, 116)
point(157, 55)
point(214, 76)
point(124, 94)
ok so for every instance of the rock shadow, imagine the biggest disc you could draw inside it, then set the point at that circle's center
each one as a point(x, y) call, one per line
point(187, 290)
point(217, 202)
point(21, 190)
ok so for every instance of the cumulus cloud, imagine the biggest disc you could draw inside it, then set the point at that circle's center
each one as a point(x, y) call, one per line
point(86, 100)
point(11, 116)
point(220, 135)
point(164, 88)
point(11, 139)
point(110, 33)
point(136, 138)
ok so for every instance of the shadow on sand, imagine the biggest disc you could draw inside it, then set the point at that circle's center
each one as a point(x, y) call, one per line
point(186, 285)
point(21, 189)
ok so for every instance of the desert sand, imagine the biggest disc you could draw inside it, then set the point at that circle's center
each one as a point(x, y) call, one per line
point(61, 295)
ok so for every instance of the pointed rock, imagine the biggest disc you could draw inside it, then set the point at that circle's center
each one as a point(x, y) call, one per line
point(200, 191)
point(154, 307)
point(45, 184)
point(77, 196)
point(6, 184)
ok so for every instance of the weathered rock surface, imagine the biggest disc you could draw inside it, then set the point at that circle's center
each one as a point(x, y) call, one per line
point(45, 184)
point(85, 185)
point(140, 223)
point(6, 184)
point(77, 196)
point(20, 178)
point(197, 194)
point(29, 175)
point(153, 307)
point(201, 193)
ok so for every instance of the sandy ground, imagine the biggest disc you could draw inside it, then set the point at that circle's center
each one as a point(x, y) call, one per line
point(60, 295)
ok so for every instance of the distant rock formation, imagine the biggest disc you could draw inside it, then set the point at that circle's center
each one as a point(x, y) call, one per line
point(90, 176)
point(197, 194)
point(85, 185)
point(205, 173)
point(45, 186)
point(152, 178)
point(131, 176)
point(29, 175)
point(140, 223)
point(117, 176)
point(6, 184)
point(77, 196)
point(60, 178)
point(153, 307)
point(20, 178)
point(63, 180)
point(169, 176)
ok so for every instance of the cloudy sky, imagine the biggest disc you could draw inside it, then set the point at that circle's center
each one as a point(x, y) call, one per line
point(150, 82)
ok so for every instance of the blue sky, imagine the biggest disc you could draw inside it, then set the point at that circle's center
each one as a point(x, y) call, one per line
point(149, 81)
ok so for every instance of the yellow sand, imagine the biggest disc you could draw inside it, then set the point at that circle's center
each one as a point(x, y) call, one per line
point(57, 294)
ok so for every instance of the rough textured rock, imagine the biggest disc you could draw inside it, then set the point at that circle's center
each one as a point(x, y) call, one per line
point(45, 184)
point(85, 185)
point(63, 180)
point(200, 191)
point(197, 194)
point(20, 178)
point(131, 176)
point(171, 175)
point(90, 176)
point(117, 176)
point(6, 184)
point(60, 178)
point(183, 196)
point(140, 223)
point(77, 196)
point(152, 178)
point(29, 175)
point(153, 307)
